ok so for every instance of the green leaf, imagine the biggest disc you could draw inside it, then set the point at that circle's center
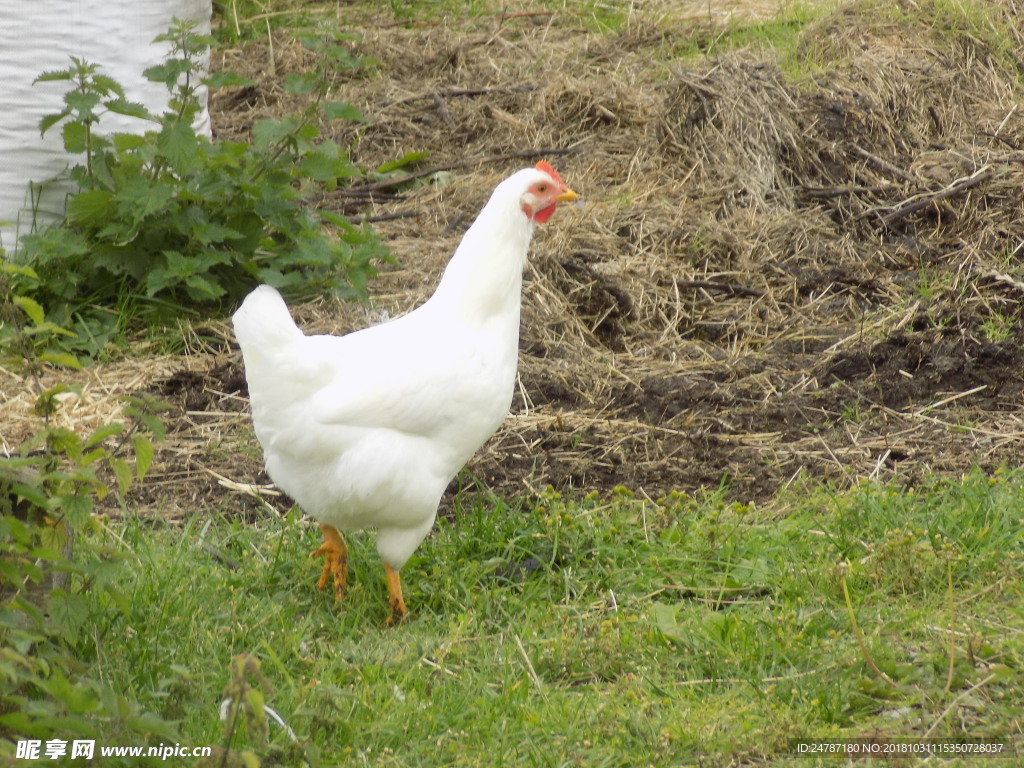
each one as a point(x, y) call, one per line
point(33, 495)
point(126, 142)
point(143, 454)
point(82, 102)
point(140, 198)
point(9, 268)
point(168, 72)
point(203, 289)
point(102, 432)
point(68, 612)
point(90, 208)
point(300, 83)
point(153, 424)
point(65, 359)
point(409, 158)
point(55, 75)
point(31, 308)
point(76, 137)
point(122, 472)
point(51, 120)
point(77, 507)
point(129, 108)
point(177, 143)
point(337, 110)
point(321, 167)
point(107, 85)
point(270, 131)
point(665, 621)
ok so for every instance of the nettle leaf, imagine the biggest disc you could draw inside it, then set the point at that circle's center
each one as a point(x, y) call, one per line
point(129, 108)
point(126, 142)
point(301, 83)
point(153, 424)
point(140, 198)
point(51, 120)
point(143, 454)
point(91, 208)
point(55, 75)
point(168, 72)
point(31, 308)
point(338, 110)
point(321, 166)
point(33, 495)
point(24, 270)
point(123, 474)
point(314, 252)
point(177, 269)
point(201, 288)
point(107, 85)
point(409, 158)
point(76, 137)
point(102, 432)
point(177, 143)
point(270, 131)
point(68, 612)
point(82, 102)
point(65, 359)
point(209, 234)
point(77, 507)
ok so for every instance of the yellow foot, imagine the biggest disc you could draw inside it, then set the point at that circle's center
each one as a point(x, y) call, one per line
point(398, 609)
point(335, 560)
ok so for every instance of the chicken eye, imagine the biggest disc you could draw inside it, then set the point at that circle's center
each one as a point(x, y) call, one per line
point(542, 188)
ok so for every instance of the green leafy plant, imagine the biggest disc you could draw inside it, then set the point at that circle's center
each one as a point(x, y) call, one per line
point(48, 569)
point(168, 218)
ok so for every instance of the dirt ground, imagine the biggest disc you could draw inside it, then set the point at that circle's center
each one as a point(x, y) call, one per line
point(777, 275)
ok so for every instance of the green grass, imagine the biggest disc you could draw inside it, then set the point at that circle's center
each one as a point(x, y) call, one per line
point(602, 632)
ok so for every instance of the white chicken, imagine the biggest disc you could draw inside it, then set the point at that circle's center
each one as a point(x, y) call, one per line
point(367, 430)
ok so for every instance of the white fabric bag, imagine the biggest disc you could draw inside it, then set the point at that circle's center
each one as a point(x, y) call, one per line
point(42, 35)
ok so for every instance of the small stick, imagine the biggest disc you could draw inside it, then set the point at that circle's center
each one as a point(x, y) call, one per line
point(885, 165)
point(736, 290)
point(958, 187)
point(455, 92)
point(387, 217)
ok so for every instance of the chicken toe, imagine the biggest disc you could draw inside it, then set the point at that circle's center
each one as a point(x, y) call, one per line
point(335, 555)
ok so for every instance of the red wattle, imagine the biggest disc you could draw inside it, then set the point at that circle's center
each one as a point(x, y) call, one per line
point(544, 213)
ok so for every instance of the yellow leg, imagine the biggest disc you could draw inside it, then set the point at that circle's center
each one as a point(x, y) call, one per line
point(335, 560)
point(398, 609)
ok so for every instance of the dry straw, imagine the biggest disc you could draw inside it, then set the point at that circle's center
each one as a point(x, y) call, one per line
point(775, 276)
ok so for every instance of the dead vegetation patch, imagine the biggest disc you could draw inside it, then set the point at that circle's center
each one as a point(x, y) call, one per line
point(774, 277)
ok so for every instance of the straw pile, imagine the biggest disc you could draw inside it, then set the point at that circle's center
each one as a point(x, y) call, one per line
point(775, 276)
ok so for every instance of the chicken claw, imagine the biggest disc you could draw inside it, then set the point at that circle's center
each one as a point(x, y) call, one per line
point(335, 560)
point(398, 609)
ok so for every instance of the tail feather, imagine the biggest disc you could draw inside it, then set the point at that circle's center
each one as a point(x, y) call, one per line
point(265, 332)
point(263, 321)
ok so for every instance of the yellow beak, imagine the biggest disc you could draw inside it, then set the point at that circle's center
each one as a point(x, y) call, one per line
point(565, 197)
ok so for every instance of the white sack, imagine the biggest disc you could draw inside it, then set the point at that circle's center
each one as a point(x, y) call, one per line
point(41, 35)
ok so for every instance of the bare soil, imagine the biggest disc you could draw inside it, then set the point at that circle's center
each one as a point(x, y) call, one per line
point(777, 275)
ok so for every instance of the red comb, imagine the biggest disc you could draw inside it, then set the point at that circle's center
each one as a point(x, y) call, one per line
point(545, 166)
